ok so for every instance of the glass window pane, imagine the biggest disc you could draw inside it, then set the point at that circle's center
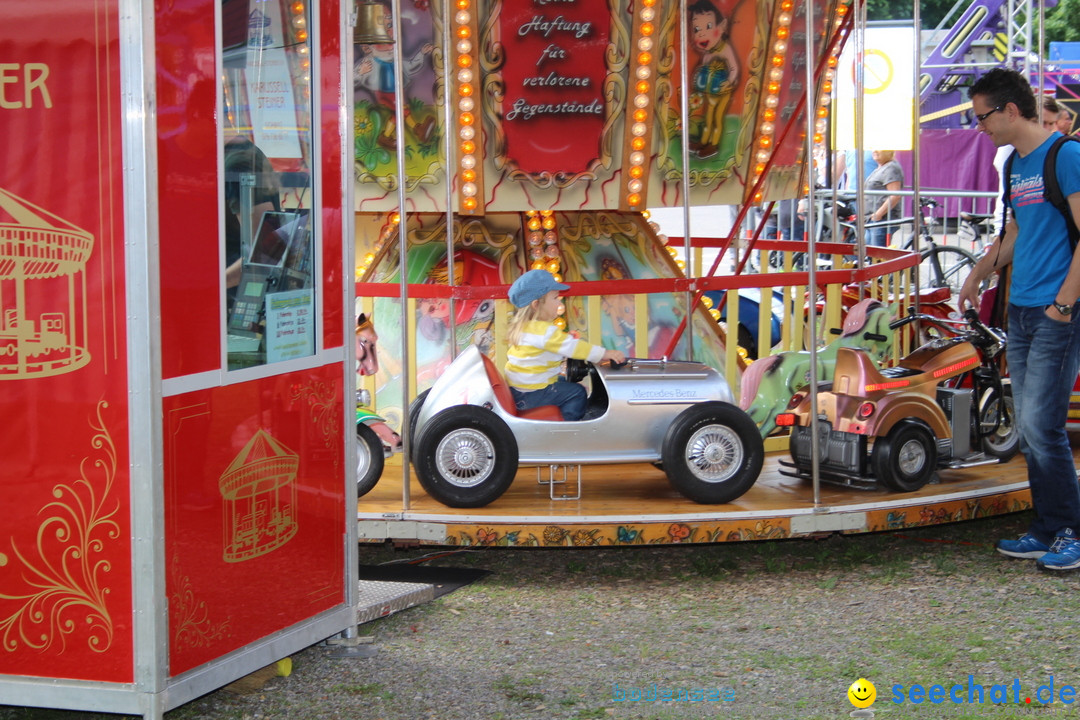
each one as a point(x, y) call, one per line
point(268, 228)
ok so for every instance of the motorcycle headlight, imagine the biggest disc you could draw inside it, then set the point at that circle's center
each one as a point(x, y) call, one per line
point(363, 396)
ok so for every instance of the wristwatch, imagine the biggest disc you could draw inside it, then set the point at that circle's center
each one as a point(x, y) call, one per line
point(1063, 309)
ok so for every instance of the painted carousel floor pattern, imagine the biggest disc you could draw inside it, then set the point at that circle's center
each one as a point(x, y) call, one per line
point(635, 503)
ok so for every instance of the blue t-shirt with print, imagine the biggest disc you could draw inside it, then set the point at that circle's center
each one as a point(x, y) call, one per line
point(1042, 253)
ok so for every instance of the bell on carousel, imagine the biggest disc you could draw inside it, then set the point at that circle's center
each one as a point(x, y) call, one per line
point(371, 24)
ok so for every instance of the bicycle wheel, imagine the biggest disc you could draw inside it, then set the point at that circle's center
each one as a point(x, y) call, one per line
point(945, 266)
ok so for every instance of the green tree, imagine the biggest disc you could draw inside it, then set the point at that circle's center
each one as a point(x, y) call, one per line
point(1063, 22)
point(931, 12)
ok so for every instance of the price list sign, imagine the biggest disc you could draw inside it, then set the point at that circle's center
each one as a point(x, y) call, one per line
point(553, 110)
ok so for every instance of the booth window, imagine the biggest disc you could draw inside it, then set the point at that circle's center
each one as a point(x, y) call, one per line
point(268, 229)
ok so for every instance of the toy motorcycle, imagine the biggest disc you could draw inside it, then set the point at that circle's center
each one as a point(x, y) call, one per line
point(944, 405)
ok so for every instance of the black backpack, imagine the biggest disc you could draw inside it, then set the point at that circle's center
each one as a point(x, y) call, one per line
point(1051, 188)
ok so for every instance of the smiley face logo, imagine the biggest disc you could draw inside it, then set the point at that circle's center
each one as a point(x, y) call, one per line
point(862, 693)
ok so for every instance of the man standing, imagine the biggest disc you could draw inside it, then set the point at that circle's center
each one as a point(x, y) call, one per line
point(1044, 332)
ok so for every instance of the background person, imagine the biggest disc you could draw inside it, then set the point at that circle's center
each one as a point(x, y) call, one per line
point(1043, 351)
point(887, 176)
point(538, 347)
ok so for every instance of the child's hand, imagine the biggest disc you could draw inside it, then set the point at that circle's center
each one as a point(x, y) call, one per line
point(616, 356)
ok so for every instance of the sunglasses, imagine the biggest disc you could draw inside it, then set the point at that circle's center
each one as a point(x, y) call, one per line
point(985, 115)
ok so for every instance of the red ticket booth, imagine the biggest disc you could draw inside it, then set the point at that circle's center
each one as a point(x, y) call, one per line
point(173, 370)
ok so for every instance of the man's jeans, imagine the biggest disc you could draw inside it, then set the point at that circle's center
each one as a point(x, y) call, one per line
point(570, 397)
point(1044, 357)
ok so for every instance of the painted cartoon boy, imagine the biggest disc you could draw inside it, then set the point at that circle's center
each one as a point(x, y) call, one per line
point(716, 75)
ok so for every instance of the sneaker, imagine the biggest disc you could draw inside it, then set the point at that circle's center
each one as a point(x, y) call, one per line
point(1064, 553)
point(1026, 547)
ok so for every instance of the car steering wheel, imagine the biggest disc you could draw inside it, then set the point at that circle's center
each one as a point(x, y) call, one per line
point(576, 370)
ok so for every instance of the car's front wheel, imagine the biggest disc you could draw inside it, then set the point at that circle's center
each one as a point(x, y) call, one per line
point(713, 453)
point(370, 459)
point(906, 458)
point(466, 457)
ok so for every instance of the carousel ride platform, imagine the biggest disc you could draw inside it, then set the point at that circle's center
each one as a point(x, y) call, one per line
point(635, 505)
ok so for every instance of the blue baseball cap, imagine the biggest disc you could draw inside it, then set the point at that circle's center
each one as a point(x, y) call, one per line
point(533, 285)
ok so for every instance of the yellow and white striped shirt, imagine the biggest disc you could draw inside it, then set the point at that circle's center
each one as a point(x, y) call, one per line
point(534, 362)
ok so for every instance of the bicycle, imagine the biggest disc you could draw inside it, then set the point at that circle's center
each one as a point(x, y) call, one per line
point(942, 265)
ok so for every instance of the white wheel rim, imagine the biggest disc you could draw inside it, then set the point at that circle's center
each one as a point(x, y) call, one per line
point(714, 453)
point(465, 458)
point(912, 457)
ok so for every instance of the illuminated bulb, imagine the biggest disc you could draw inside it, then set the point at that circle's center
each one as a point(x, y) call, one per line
point(299, 21)
point(395, 218)
point(637, 143)
point(636, 171)
point(654, 226)
point(553, 266)
point(469, 203)
point(647, 29)
point(643, 72)
point(467, 133)
point(536, 253)
point(552, 251)
point(633, 200)
point(464, 76)
point(783, 33)
point(534, 223)
point(706, 301)
point(302, 35)
point(715, 314)
point(469, 189)
point(765, 141)
point(560, 322)
point(757, 197)
point(297, 8)
point(822, 112)
point(537, 265)
point(464, 31)
point(466, 104)
point(646, 214)
point(535, 239)
point(638, 129)
point(767, 128)
point(468, 175)
point(462, 17)
point(634, 186)
point(558, 278)
point(769, 115)
point(762, 155)
point(776, 74)
point(780, 46)
point(637, 158)
point(672, 251)
point(818, 138)
point(548, 223)
point(468, 147)
point(759, 168)
point(681, 264)
point(784, 18)
point(778, 60)
point(642, 87)
point(464, 46)
point(640, 116)
point(550, 237)
point(772, 101)
point(547, 213)
point(644, 58)
point(465, 89)
point(468, 161)
point(662, 238)
point(645, 44)
point(648, 14)
point(641, 101)
point(464, 61)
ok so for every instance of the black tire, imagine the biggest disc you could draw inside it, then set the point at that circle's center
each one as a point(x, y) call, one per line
point(998, 436)
point(414, 413)
point(953, 267)
point(370, 459)
point(747, 342)
point(906, 458)
point(466, 457)
point(712, 453)
point(576, 370)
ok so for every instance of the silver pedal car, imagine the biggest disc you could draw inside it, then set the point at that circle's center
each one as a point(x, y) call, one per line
point(470, 438)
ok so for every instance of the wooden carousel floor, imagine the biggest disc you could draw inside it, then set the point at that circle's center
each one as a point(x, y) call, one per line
point(634, 504)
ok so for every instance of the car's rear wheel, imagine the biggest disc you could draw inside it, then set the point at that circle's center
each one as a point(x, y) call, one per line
point(905, 459)
point(713, 453)
point(466, 457)
point(998, 434)
point(370, 459)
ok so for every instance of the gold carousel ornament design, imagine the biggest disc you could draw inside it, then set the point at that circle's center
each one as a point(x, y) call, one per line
point(43, 316)
point(259, 488)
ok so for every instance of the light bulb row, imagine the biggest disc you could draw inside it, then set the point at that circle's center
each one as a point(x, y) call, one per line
point(766, 136)
point(464, 62)
point(389, 230)
point(642, 102)
point(542, 239)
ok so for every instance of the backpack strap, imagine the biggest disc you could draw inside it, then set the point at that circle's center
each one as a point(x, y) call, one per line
point(1052, 189)
point(1006, 182)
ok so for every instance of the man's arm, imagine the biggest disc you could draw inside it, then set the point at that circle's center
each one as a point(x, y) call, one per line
point(998, 256)
point(1070, 289)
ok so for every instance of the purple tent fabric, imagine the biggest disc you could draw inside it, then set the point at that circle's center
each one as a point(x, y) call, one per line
point(952, 159)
